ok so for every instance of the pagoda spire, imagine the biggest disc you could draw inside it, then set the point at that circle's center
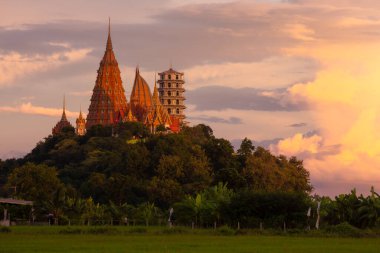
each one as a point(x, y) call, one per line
point(108, 101)
point(64, 108)
point(156, 99)
point(109, 41)
point(80, 112)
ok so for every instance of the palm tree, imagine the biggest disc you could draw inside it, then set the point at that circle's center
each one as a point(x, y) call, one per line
point(147, 211)
point(369, 211)
point(57, 204)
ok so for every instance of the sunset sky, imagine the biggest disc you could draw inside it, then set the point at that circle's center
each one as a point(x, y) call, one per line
point(299, 77)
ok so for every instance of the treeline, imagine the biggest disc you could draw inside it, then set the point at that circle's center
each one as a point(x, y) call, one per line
point(124, 174)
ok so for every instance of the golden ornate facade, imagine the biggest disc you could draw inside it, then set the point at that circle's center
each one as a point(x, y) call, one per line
point(109, 105)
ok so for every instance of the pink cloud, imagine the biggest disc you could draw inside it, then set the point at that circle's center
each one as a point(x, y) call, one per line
point(28, 108)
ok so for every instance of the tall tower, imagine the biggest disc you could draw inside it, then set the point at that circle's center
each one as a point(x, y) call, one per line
point(171, 92)
point(108, 102)
point(81, 125)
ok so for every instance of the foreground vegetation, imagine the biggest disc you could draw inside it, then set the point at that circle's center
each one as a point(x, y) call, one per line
point(141, 239)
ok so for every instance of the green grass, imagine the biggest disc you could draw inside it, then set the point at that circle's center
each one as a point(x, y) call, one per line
point(123, 240)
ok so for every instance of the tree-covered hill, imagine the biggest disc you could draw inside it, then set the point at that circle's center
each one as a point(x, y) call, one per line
point(128, 165)
point(125, 174)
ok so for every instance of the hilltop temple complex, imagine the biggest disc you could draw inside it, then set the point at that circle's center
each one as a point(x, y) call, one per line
point(109, 105)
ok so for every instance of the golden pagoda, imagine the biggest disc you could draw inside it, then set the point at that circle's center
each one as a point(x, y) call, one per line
point(141, 98)
point(80, 125)
point(130, 117)
point(157, 114)
point(108, 101)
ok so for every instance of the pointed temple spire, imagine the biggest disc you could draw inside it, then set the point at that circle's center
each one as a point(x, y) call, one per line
point(109, 41)
point(156, 98)
point(63, 123)
point(64, 109)
point(108, 101)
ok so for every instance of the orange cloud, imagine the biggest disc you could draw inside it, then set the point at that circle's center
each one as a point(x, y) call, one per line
point(14, 65)
point(345, 104)
point(28, 108)
point(298, 144)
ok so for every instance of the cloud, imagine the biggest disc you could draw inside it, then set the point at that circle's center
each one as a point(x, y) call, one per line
point(297, 145)
point(14, 65)
point(230, 120)
point(300, 32)
point(344, 103)
point(254, 124)
point(28, 108)
point(86, 93)
point(298, 125)
point(221, 98)
point(269, 73)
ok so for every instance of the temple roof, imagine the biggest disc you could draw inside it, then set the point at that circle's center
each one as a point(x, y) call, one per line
point(140, 92)
point(80, 118)
point(63, 122)
point(130, 117)
point(170, 71)
point(157, 114)
point(109, 56)
point(108, 101)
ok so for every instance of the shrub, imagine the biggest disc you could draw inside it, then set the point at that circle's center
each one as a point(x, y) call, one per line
point(138, 230)
point(344, 229)
point(175, 230)
point(102, 230)
point(71, 231)
point(5, 230)
point(225, 230)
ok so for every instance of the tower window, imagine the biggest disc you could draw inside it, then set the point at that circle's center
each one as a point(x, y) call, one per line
point(169, 93)
point(177, 101)
point(177, 110)
point(169, 102)
point(169, 85)
point(176, 77)
point(169, 110)
point(177, 85)
point(170, 77)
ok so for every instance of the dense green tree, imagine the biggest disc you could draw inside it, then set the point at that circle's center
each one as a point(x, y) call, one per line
point(266, 172)
point(34, 182)
point(272, 209)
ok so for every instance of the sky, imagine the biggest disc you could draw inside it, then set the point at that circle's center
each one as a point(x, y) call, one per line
point(299, 77)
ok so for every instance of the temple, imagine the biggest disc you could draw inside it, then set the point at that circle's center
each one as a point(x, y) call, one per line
point(163, 110)
point(80, 125)
point(63, 123)
point(108, 102)
point(141, 98)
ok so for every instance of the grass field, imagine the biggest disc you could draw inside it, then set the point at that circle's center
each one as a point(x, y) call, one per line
point(30, 239)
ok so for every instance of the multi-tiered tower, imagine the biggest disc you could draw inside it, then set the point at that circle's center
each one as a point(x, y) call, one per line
point(108, 102)
point(172, 92)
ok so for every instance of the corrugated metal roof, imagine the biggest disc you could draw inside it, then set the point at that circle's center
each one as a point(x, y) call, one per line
point(16, 201)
